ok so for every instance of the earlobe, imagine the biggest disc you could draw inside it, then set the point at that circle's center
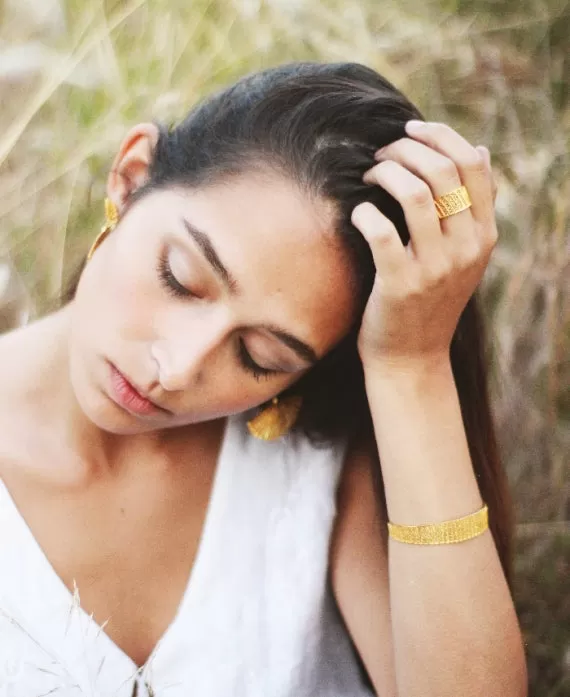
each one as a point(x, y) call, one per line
point(130, 168)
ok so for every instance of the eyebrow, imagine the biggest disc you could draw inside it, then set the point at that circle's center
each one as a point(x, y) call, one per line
point(303, 350)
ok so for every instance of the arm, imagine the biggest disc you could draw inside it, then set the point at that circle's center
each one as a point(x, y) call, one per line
point(454, 631)
point(359, 571)
point(432, 621)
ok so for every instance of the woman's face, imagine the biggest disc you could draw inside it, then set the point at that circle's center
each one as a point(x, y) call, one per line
point(209, 302)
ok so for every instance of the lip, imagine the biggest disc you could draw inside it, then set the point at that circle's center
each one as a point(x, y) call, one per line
point(127, 396)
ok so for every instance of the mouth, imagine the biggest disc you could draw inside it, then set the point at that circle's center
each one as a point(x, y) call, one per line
point(127, 396)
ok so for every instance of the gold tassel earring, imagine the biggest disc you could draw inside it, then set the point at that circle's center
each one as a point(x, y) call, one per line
point(277, 419)
point(111, 220)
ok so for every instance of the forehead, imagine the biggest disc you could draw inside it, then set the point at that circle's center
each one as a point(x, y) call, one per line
point(282, 250)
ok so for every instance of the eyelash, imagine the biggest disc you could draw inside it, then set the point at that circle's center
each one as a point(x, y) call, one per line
point(168, 279)
point(171, 285)
point(251, 366)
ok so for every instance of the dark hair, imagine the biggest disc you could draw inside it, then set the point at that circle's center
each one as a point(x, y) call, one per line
point(319, 125)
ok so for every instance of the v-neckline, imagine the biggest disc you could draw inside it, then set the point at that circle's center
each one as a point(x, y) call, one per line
point(54, 589)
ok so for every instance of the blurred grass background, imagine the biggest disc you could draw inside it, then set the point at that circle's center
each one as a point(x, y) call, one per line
point(76, 74)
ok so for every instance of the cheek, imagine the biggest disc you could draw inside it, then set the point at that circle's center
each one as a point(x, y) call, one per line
point(218, 401)
point(120, 292)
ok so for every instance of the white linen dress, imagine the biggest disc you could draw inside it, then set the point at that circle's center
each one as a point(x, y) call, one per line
point(257, 618)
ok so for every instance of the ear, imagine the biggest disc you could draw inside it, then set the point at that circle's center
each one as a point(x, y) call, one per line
point(131, 165)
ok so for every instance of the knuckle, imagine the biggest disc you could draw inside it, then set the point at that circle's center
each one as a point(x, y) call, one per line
point(446, 169)
point(381, 235)
point(419, 196)
point(413, 288)
point(475, 162)
point(469, 256)
point(399, 291)
point(437, 272)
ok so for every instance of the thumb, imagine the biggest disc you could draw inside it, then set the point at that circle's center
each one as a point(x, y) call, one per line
point(388, 252)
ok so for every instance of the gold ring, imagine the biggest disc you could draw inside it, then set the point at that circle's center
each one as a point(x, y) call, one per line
point(454, 202)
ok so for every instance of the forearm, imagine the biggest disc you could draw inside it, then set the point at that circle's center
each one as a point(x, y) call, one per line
point(455, 631)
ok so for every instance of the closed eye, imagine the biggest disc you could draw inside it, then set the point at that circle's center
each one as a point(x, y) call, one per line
point(250, 365)
point(169, 281)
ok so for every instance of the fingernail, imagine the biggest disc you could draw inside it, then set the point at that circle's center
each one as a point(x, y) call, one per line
point(415, 126)
point(379, 153)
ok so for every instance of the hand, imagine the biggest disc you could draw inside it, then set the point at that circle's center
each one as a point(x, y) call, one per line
point(421, 289)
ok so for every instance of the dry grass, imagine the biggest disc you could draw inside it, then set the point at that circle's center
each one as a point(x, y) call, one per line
point(74, 75)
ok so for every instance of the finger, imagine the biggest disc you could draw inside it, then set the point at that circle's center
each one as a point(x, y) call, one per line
point(439, 173)
point(487, 155)
point(416, 199)
point(469, 162)
point(388, 252)
point(490, 233)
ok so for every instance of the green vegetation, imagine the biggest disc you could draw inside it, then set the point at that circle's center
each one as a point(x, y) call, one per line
point(76, 74)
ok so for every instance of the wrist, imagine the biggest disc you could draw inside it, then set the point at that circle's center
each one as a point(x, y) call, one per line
point(408, 370)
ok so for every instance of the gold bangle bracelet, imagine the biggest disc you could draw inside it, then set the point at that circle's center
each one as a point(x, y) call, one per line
point(448, 532)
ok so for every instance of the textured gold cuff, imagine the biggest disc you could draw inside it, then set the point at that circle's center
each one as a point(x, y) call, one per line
point(448, 532)
point(454, 202)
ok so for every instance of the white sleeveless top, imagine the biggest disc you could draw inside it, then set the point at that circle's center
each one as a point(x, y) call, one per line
point(257, 618)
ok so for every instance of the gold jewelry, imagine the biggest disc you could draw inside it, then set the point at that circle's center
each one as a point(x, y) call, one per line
point(448, 532)
point(276, 419)
point(454, 202)
point(111, 220)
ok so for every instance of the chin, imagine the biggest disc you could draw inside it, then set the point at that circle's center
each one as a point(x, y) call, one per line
point(115, 427)
point(121, 424)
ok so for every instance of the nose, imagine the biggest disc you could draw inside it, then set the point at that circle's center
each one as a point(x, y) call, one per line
point(181, 356)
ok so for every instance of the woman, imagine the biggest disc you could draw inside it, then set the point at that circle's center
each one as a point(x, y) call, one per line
point(301, 245)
